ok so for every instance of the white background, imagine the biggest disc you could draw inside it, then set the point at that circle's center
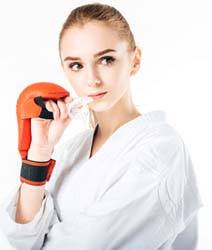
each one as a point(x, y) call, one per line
point(175, 76)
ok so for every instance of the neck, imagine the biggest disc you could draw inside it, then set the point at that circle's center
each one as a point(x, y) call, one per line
point(110, 120)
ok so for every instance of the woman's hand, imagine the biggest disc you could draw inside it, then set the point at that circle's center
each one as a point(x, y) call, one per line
point(47, 132)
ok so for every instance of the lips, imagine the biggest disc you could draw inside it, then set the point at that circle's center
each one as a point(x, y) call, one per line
point(97, 94)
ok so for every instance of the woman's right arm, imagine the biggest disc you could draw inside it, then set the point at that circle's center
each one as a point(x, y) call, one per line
point(28, 216)
point(44, 136)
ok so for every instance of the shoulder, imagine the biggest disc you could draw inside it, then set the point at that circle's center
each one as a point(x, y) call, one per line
point(168, 145)
point(161, 146)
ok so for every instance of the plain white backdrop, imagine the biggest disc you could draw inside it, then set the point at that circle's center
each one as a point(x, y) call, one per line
point(175, 76)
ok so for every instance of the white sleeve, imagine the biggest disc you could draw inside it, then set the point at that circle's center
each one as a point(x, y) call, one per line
point(181, 201)
point(29, 235)
point(186, 239)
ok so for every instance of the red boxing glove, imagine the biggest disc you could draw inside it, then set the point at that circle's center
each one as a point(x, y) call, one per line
point(30, 104)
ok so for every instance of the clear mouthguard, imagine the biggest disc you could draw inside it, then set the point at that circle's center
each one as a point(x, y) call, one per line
point(75, 106)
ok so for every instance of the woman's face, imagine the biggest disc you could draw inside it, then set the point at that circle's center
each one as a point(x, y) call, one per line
point(95, 52)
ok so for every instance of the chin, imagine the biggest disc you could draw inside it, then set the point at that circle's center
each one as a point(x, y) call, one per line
point(101, 107)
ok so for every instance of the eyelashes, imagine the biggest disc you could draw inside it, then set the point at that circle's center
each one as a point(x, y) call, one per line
point(109, 59)
point(71, 66)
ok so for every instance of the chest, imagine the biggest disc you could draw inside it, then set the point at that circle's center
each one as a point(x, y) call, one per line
point(96, 145)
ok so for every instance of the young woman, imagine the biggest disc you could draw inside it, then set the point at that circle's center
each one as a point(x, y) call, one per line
point(126, 183)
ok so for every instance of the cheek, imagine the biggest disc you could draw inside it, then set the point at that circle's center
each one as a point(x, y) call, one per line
point(116, 73)
point(76, 81)
point(119, 77)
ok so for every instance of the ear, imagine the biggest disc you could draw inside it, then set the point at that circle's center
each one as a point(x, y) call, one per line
point(136, 61)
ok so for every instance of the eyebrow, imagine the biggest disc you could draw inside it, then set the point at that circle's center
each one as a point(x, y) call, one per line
point(95, 55)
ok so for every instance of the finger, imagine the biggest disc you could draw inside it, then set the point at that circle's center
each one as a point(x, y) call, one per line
point(56, 111)
point(49, 106)
point(68, 99)
point(63, 109)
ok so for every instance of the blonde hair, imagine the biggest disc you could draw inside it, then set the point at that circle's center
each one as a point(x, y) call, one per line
point(102, 13)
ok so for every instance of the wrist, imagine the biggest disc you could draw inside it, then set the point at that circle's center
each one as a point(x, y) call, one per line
point(36, 173)
point(39, 153)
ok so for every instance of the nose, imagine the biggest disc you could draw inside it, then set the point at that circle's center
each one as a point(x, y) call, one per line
point(92, 77)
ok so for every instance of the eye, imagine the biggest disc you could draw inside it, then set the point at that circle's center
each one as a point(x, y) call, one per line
point(107, 60)
point(73, 68)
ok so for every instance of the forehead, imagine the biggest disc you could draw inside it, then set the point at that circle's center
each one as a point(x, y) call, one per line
point(89, 39)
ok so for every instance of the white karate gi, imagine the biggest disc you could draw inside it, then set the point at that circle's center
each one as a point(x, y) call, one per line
point(138, 192)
